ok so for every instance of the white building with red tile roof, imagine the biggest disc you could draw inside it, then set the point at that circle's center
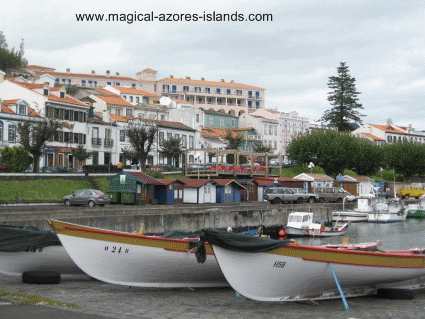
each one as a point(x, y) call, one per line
point(317, 180)
point(40, 99)
point(389, 133)
point(365, 185)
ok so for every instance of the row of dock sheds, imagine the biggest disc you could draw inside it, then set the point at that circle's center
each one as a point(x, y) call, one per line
point(135, 187)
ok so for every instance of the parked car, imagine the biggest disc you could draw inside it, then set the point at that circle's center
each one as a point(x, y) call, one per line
point(331, 194)
point(53, 169)
point(90, 197)
point(277, 195)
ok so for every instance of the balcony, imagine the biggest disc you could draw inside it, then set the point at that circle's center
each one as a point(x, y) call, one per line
point(255, 137)
point(166, 90)
point(96, 141)
point(108, 143)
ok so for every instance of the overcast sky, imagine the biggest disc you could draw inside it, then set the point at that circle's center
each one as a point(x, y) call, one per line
point(382, 42)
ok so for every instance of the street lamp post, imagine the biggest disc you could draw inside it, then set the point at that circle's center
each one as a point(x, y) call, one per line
point(311, 166)
point(381, 170)
point(197, 158)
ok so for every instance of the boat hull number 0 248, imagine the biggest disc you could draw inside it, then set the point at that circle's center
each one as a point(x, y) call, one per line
point(279, 264)
point(117, 250)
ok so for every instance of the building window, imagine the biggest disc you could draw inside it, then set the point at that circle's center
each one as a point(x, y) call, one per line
point(389, 138)
point(218, 91)
point(95, 84)
point(184, 141)
point(190, 141)
point(57, 81)
point(117, 84)
point(207, 90)
point(133, 86)
point(12, 133)
point(117, 112)
point(169, 136)
point(250, 104)
point(197, 118)
point(257, 95)
point(124, 97)
point(137, 99)
point(185, 88)
point(62, 95)
point(22, 109)
point(95, 158)
point(122, 135)
point(161, 137)
point(221, 122)
point(191, 158)
point(83, 82)
point(198, 89)
point(257, 105)
point(229, 92)
point(129, 112)
point(211, 120)
point(46, 92)
point(151, 116)
point(238, 92)
point(174, 89)
point(249, 94)
point(1, 131)
point(232, 123)
point(162, 117)
point(109, 83)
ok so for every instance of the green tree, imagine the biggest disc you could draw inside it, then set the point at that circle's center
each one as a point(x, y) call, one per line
point(80, 153)
point(11, 58)
point(141, 135)
point(18, 158)
point(261, 148)
point(344, 99)
point(33, 137)
point(234, 140)
point(171, 148)
point(407, 158)
point(329, 149)
point(367, 157)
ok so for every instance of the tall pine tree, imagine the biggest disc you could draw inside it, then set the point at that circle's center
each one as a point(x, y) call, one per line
point(344, 100)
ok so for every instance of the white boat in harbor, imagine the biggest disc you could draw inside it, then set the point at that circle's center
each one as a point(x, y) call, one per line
point(318, 230)
point(24, 249)
point(298, 224)
point(365, 205)
point(393, 211)
point(136, 260)
point(284, 271)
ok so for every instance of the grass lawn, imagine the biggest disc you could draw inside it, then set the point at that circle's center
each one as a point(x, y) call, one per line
point(39, 190)
point(103, 183)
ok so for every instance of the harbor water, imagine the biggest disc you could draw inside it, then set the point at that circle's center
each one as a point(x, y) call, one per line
point(400, 235)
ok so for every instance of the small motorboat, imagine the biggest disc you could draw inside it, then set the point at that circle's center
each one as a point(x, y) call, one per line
point(393, 211)
point(416, 210)
point(319, 230)
point(365, 205)
point(298, 224)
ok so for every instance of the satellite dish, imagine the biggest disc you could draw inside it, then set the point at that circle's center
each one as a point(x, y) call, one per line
point(165, 100)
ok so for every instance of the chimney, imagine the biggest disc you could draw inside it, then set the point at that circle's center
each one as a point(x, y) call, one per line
point(188, 78)
point(203, 79)
point(92, 72)
point(231, 81)
point(172, 76)
point(222, 80)
point(108, 73)
point(68, 70)
point(106, 116)
point(117, 73)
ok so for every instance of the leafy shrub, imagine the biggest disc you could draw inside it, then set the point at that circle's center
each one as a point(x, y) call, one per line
point(17, 158)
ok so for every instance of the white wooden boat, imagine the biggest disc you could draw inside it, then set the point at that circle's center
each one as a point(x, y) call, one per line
point(291, 272)
point(136, 260)
point(393, 211)
point(24, 249)
point(298, 224)
point(416, 210)
point(318, 230)
point(365, 205)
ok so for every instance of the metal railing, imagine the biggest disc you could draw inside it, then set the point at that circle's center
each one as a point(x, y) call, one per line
point(108, 143)
point(96, 141)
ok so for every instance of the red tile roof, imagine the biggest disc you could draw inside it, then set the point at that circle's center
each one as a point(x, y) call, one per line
point(30, 86)
point(212, 83)
point(30, 67)
point(67, 99)
point(388, 128)
point(114, 100)
point(146, 178)
point(106, 92)
point(120, 118)
point(181, 101)
point(169, 181)
point(226, 181)
point(81, 75)
point(197, 182)
point(321, 177)
point(125, 90)
point(6, 109)
point(149, 70)
point(362, 178)
point(373, 137)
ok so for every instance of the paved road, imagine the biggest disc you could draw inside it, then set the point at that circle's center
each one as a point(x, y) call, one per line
point(102, 300)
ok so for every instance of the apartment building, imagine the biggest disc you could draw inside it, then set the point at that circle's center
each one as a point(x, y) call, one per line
point(290, 124)
point(227, 97)
point(28, 100)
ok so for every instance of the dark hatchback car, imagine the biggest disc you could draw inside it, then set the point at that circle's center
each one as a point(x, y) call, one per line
point(90, 197)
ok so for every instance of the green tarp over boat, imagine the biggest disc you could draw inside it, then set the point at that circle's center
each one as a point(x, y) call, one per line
point(235, 242)
point(16, 238)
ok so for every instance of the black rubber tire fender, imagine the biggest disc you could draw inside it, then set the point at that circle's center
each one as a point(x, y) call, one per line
point(395, 293)
point(41, 277)
point(276, 200)
point(321, 200)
